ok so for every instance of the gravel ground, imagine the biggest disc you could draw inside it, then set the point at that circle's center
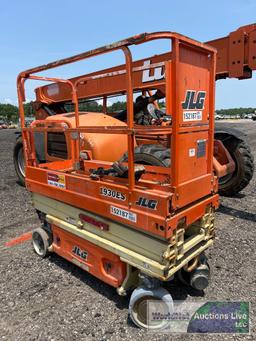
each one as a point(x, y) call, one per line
point(51, 299)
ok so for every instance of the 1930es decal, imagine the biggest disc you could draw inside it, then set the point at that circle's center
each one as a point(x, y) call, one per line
point(106, 192)
point(193, 105)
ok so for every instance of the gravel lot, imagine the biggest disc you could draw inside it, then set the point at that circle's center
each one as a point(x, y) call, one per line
point(51, 299)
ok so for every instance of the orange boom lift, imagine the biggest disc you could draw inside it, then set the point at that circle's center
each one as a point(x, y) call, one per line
point(130, 196)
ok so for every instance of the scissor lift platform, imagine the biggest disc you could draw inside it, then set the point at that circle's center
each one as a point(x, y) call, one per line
point(149, 223)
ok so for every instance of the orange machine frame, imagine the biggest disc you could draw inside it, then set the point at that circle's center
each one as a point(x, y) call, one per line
point(236, 58)
point(189, 186)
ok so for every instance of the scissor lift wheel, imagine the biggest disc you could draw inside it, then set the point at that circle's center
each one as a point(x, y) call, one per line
point(41, 242)
point(199, 277)
point(138, 306)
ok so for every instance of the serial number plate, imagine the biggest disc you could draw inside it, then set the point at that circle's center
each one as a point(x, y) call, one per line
point(192, 116)
point(123, 214)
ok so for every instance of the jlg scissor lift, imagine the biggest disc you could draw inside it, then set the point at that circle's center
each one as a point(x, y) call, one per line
point(131, 204)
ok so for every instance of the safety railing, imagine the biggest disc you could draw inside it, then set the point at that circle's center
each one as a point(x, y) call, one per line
point(130, 130)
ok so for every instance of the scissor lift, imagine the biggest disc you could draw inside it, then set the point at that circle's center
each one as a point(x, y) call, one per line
point(134, 231)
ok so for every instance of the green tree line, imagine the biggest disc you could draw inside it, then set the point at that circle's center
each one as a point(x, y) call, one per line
point(236, 111)
point(93, 106)
point(9, 112)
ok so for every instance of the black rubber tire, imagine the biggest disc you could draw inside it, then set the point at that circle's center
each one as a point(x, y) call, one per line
point(241, 154)
point(151, 154)
point(158, 155)
point(18, 148)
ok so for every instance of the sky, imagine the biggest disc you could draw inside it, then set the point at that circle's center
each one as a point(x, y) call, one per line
point(37, 32)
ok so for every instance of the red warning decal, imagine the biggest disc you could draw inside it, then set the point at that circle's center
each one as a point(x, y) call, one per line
point(57, 180)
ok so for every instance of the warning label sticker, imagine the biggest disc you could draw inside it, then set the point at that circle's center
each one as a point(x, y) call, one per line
point(57, 180)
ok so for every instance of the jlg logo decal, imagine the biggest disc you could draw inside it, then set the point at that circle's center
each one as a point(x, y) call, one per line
point(157, 75)
point(194, 100)
point(148, 203)
point(193, 105)
point(79, 252)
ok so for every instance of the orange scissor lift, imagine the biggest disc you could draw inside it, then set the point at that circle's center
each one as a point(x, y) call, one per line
point(139, 230)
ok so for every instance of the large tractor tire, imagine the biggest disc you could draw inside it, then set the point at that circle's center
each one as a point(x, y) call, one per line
point(232, 184)
point(229, 185)
point(151, 154)
point(19, 162)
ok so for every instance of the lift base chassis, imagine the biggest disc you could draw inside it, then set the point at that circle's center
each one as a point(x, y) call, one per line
point(109, 252)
